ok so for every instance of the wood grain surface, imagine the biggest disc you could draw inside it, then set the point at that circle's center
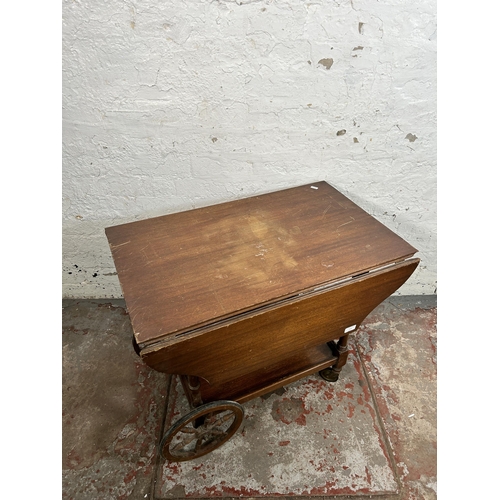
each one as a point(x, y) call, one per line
point(245, 354)
point(189, 269)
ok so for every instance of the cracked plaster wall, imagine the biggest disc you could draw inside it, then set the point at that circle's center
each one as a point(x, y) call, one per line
point(169, 106)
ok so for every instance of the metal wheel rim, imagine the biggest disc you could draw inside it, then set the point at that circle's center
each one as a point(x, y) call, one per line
point(207, 437)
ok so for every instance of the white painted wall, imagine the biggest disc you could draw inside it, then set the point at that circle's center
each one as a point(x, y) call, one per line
point(171, 105)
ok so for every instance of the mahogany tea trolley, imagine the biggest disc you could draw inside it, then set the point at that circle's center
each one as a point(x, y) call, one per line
point(244, 297)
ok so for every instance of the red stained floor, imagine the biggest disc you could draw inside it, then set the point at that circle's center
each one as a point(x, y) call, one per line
point(371, 433)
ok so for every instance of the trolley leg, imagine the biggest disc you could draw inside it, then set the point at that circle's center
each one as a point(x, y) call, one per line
point(341, 350)
point(343, 353)
point(192, 391)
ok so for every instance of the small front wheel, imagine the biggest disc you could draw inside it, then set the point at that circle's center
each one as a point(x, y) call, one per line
point(329, 375)
point(201, 431)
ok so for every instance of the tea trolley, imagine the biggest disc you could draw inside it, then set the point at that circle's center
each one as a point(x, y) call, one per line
point(244, 297)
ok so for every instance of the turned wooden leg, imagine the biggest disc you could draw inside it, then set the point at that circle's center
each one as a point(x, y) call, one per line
point(192, 390)
point(341, 350)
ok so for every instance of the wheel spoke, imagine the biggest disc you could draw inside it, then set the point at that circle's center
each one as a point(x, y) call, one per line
point(197, 446)
point(188, 430)
point(178, 447)
point(223, 419)
point(183, 442)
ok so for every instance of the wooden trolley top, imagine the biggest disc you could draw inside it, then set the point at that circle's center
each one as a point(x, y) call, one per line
point(186, 270)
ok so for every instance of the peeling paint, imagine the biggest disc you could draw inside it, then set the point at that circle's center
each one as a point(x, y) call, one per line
point(146, 91)
point(110, 436)
point(279, 442)
point(327, 62)
point(394, 331)
point(112, 406)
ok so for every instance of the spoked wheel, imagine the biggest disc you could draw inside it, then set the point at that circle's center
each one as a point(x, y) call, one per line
point(201, 431)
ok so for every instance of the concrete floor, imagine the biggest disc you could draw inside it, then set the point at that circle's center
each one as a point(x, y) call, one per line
point(372, 433)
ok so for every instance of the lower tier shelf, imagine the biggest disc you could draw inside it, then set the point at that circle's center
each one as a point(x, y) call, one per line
point(269, 379)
